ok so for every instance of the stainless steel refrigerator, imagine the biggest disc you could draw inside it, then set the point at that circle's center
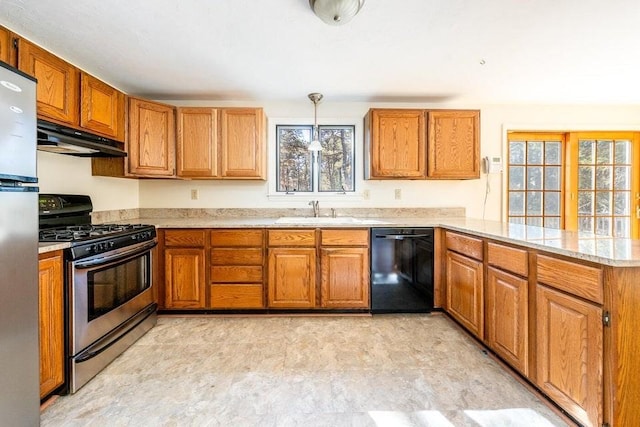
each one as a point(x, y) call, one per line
point(19, 349)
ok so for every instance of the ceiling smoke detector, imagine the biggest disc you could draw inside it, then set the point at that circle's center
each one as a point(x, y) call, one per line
point(336, 12)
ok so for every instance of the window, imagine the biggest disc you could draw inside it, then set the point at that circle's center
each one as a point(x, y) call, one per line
point(604, 184)
point(535, 180)
point(300, 170)
point(583, 181)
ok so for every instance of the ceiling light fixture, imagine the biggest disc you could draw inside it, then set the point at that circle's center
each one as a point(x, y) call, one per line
point(336, 12)
point(315, 142)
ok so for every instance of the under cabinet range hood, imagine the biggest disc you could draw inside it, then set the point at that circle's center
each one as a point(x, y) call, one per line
point(64, 140)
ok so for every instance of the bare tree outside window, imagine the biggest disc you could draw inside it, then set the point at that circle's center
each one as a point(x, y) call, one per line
point(336, 158)
point(294, 159)
point(334, 169)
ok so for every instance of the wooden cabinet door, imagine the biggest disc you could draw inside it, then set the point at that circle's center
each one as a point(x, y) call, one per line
point(465, 294)
point(396, 144)
point(453, 144)
point(51, 303)
point(569, 347)
point(344, 277)
point(57, 90)
point(242, 147)
point(184, 278)
point(197, 142)
point(292, 278)
point(151, 145)
point(101, 107)
point(507, 317)
point(7, 52)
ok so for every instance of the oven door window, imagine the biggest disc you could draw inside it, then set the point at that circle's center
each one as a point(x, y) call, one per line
point(112, 286)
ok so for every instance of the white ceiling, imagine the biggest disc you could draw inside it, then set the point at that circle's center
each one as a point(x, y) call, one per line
point(542, 51)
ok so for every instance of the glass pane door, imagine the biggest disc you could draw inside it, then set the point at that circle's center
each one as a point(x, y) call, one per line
point(535, 181)
point(604, 186)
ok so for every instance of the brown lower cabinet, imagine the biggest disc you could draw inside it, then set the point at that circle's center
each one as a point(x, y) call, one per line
point(51, 329)
point(507, 317)
point(292, 268)
point(567, 325)
point(344, 277)
point(507, 304)
point(292, 277)
point(236, 274)
point(338, 278)
point(184, 269)
point(569, 349)
point(246, 269)
point(465, 291)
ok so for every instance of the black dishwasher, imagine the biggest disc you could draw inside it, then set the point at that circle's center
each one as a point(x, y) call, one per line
point(401, 270)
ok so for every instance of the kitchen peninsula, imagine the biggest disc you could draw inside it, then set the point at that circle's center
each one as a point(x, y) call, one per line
point(558, 307)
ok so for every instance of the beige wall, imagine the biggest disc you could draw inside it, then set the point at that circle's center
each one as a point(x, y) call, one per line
point(65, 174)
point(58, 173)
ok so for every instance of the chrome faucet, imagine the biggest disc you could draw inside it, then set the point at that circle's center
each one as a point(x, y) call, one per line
point(316, 207)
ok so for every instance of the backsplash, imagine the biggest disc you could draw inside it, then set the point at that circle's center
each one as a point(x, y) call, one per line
point(126, 214)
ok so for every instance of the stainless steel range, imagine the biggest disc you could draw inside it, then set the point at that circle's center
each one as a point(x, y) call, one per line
point(109, 283)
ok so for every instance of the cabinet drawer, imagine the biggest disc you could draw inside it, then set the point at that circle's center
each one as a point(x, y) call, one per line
point(188, 238)
point(237, 238)
point(236, 256)
point(236, 296)
point(508, 258)
point(341, 237)
point(292, 237)
point(577, 279)
point(466, 245)
point(236, 274)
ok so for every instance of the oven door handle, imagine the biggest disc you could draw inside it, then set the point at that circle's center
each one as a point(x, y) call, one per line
point(109, 259)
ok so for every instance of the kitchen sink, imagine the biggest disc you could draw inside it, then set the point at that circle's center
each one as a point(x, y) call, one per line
point(326, 220)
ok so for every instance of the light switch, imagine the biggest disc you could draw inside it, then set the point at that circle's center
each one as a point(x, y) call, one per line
point(398, 193)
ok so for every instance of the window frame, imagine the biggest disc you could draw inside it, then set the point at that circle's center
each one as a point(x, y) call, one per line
point(272, 138)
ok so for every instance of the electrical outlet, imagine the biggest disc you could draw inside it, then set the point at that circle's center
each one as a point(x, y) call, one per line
point(398, 193)
point(366, 194)
point(194, 194)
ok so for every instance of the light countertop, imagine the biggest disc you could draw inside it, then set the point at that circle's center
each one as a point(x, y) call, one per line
point(44, 248)
point(603, 250)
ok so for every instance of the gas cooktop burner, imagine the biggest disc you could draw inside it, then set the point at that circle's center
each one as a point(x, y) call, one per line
point(77, 233)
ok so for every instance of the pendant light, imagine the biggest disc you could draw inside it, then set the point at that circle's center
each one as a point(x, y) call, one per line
point(315, 142)
point(336, 12)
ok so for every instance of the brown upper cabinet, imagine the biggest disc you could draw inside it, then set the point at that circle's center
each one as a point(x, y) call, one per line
point(422, 144)
point(225, 143)
point(69, 96)
point(453, 144)
point(7, 51)
point(102, 108)
point(197, 143)
point(242, 147)
point(58, 82)
point(152, 141)
point(395, 141)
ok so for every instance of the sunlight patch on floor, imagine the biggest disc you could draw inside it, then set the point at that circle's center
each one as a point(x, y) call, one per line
point(515, 417)
point(409, 419)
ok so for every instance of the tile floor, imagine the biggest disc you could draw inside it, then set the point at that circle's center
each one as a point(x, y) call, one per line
point(391, 370)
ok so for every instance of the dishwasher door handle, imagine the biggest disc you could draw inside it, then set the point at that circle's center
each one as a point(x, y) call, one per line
point(401, 236)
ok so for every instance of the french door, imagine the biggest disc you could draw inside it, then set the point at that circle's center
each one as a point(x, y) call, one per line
point(583, 181)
